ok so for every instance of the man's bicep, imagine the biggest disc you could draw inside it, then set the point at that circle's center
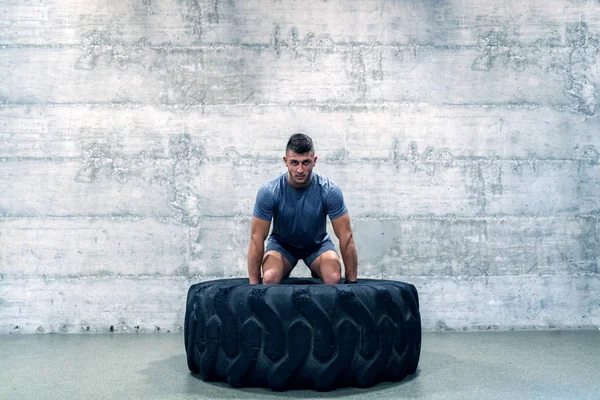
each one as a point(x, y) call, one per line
point(260, 227)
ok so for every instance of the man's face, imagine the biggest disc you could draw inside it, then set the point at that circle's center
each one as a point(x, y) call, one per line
point(300, 167)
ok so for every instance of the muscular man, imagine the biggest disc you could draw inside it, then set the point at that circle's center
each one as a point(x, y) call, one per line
point(299, 202)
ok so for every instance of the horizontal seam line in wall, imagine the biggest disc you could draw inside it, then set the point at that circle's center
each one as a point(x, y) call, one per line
point(306, 104)
point(196, 277)
point(51, 277)
point(269, 46)
point(354, 218)
point(456, 161)
point(90, 217)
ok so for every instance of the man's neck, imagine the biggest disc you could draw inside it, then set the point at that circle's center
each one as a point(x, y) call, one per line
point(296, 186)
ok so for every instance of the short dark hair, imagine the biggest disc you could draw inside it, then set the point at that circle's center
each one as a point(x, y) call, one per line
point(300, 143)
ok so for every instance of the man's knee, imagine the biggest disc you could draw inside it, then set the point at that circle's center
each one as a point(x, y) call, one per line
point(274, 267)
point(330, 267)
point(272, 276)
point(331, 277)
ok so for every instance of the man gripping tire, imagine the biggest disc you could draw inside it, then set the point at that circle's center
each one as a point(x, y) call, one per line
point(298, 202)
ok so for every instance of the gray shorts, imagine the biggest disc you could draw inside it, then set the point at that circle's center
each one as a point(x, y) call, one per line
point(308, 255)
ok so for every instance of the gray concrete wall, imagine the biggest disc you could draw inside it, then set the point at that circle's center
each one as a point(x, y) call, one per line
point(134, 135)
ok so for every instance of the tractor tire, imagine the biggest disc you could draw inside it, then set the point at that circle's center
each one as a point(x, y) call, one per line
point(302, 334)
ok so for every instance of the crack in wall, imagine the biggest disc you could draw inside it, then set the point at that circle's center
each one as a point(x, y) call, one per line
point(477, 186)
point(582, 57)
point(308, 47)
point(357, 72)
point(484, 176)
point(426, 161)
point(177, 70)
point(378, 71)
point(178, 171)
point(276, 42)
point(101, 160)
point(573, 61)
point(181, 170)
point(194, 17)
point(186, 168)
point(98, 44)
point(586, 155)
point(213, 15)
point(312, 45)
point(358, 67)
point(498, 49)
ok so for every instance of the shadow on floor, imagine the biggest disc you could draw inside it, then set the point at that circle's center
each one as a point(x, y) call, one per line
point(303, 394)
point(492, 370)
point(171, 376)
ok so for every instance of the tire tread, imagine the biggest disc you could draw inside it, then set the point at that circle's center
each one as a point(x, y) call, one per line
point(252, 342)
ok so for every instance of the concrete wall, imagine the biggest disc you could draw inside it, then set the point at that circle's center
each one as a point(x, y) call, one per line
point(134, 135)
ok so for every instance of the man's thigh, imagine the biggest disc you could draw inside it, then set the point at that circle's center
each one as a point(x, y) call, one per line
point(279, 259)
point(274, 263)
point(314, 258)
point(324, 255)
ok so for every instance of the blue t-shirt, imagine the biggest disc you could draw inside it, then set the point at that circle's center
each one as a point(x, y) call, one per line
point(299, 215)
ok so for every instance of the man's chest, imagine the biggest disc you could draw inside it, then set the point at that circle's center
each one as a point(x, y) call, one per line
point(306, 205)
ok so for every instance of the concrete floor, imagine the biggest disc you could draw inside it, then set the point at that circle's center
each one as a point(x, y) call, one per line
point(481, 365)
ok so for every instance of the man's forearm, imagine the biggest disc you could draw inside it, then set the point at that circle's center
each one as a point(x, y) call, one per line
point(350, 256)
point(256, 251)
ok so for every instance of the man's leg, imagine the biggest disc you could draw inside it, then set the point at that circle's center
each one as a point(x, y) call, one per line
point(277, 263)
point(328, 267)
point(275, 267)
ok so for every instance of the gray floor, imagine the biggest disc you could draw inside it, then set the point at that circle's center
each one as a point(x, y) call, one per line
point(482, 365)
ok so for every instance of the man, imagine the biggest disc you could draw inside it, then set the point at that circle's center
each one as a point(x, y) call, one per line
point(299, 202)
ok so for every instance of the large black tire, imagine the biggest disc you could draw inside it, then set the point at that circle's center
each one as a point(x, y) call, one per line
point(302, 334)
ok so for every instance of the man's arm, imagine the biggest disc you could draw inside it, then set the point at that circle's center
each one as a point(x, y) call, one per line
point(343, 231)
point(256, 249)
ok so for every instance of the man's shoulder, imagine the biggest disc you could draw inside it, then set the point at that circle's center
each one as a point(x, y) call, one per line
point(325, 183)
point(273, 186)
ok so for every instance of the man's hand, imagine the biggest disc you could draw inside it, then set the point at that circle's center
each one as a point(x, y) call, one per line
point(343, 231)
point(256, 249)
